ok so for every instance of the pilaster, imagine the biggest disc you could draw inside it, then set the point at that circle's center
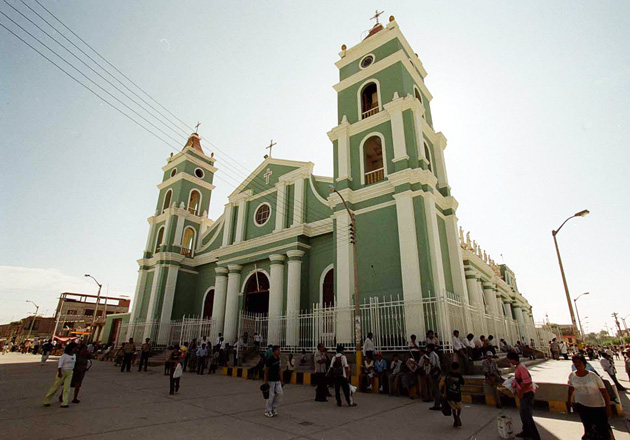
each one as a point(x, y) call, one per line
point(298, 202)
point(167, 304)
point(276, 296)
point(345, 278)
point(230, 326)
point(281, 206)
point(293, 296)
point(220, 295)
point(227, 225)
point(240, 221)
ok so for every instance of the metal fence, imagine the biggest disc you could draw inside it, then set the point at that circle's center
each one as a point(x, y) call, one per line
point(392, 321)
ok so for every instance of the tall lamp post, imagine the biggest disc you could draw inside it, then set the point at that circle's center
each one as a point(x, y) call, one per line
point(357, 309)
point(564, 278)
point(30, 329)
point(98, 298)
point(577, 312)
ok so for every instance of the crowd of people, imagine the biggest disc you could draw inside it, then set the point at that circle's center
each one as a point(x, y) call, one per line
point(423, 371)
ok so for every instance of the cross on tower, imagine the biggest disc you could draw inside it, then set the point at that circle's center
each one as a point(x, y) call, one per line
point(268, 175)
point(376, 16)
point(271, 144)
point(197, 127)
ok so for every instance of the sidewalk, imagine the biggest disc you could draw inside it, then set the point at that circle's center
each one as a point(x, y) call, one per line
point(115, 405)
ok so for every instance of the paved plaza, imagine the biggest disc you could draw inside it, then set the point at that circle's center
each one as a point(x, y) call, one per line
point(118, 405)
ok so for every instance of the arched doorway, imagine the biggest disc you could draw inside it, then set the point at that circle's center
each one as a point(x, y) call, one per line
point(328, 289)
point(208, 302)
point(257, 293)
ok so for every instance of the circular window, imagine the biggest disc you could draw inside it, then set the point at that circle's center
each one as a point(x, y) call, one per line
point(199, 173)
point(263, 212)
point(173, 172)
point(367, 61)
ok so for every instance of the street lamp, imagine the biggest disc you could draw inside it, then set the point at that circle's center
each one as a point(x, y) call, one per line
point(98, 298)
point(578, 313)
point(357, 309)
point(564, 278)
point(625, 326)
point(32, 320)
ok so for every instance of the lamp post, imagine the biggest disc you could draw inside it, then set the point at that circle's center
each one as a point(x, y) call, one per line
point(564, 278)
point(30, 329)
point(98, 298)
point(357, 309)
point(578, 314)
point(625, 326)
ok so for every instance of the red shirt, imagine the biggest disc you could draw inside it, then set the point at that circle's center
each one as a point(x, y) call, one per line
point(524, 382)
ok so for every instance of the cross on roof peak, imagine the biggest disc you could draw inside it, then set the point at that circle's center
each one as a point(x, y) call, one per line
point(197, 127)
point(376, 15)
point(270, 147)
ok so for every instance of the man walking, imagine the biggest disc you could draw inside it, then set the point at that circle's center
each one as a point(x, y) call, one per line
point(46, 349)
point(341, 372)
point(525, 392)
point(554, 347)
point(435, 371)
point(82, 364)
point(145, 351)
point(320, 359)
point(273, 378)
point(128, 350)
point(202, 355)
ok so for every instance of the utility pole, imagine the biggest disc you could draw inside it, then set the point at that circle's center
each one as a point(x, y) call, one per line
point(98, 298)
point(33, 319)
point(357, 309)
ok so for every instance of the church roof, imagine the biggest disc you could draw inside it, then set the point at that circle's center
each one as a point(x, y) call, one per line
point(194, 142)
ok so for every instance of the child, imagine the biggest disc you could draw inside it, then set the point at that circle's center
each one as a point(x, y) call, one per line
point(452, 385)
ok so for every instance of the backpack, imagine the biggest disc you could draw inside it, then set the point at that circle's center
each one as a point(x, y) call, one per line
point(337, 367)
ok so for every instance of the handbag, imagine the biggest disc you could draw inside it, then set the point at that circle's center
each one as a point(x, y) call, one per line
point(178, 371)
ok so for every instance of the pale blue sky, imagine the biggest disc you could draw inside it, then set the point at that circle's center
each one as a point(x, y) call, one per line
point(532, 97)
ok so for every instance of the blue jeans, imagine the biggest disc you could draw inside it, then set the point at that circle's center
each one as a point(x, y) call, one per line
point(275, 392)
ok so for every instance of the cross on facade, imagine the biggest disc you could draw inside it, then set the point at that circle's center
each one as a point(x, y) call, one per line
point(271, 144)
point(376, 16)
point(197, 127)
point(268, 175)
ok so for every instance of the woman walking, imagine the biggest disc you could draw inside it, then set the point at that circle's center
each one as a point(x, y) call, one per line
point(64, 375)
point(589, 398)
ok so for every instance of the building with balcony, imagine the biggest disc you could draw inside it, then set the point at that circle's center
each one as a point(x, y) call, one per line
point(280, 259)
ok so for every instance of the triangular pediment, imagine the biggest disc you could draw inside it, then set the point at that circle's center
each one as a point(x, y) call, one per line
point(268, 173)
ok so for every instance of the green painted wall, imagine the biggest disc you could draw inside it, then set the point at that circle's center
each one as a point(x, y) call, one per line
point(146, 295)
point(259, 183)
point(379, 253)
point(380, 53)
point(321, 254)
point(314, 209)
point(186, 301)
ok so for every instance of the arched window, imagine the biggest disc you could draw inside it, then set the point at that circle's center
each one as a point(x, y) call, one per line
point(369, 100)
point(167, 200)
point(194, 202)
point(208, 302)
point(328, 289)
point(188, 243)
point(373, 168)
point(158, 240)
point(427, 154)
point(257, 293)
point(417, 94)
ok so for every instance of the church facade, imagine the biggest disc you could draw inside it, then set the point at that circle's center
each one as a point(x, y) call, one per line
point(281, 255)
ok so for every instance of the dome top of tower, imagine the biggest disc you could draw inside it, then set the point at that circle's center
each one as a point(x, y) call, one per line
point(194, 142)
point(377, 28)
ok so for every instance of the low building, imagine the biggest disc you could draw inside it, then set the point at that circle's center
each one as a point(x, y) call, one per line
point(79, 314)
point(31, 328)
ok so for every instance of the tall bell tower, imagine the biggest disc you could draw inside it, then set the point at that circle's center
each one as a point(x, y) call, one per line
point(389, 163)
point(180, 218)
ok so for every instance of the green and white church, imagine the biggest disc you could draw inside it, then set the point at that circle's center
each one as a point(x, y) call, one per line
point(280, 260)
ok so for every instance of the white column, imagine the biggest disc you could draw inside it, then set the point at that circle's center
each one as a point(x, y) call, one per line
point(227, 224)
point(218, 305)
point(479, 320)
point(179, 231)
point(343, 150)
point(149, 247)
point(455, 257)
point(344, 272)
point(293, 296)
point(518, 312)
point(281, 206)
point(240, 222)
point(417, 117)
point(137, 297)
point(230, 326)
point(394, 108)
point(276, 298)
point(491, 298)
point(410, 264)
point(298, 202)
point(167, 305)
point(440, 165)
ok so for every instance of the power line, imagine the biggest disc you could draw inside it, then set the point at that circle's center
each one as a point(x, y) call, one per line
point(253, 182)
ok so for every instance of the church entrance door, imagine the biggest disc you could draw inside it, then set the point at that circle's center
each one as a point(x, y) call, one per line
point(257, 294)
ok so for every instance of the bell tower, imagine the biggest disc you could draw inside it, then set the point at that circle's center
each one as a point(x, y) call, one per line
point(389, 163)
point(180, 218)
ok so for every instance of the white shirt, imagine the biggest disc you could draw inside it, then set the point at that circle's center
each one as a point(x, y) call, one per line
point(66, 361)
point(587, 389)
point(368, 345)
point(395, 366)
point(468, 343)
point(457, 343)
point(563, 348)
point(344, 362)
point(413, 345)
point(257, 338)
point(607, 366)
point(434, 359)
